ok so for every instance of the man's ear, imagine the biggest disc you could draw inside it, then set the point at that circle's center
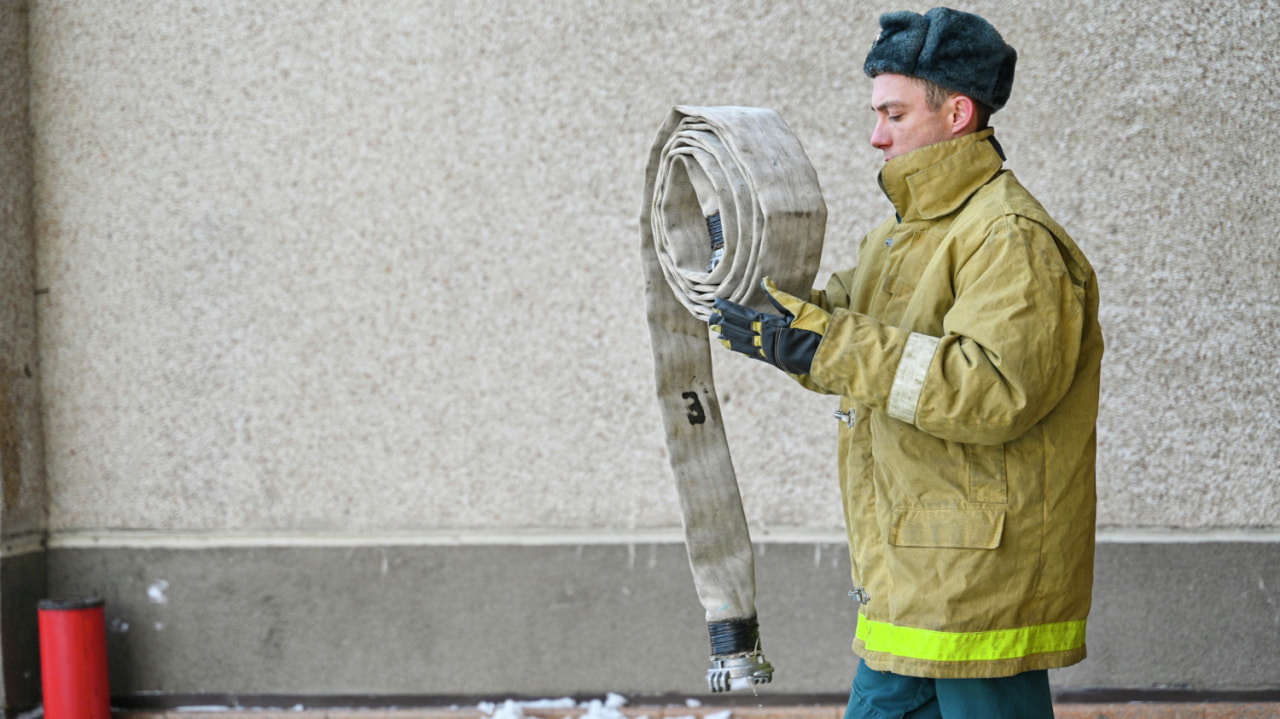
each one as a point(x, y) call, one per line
point(964, 115)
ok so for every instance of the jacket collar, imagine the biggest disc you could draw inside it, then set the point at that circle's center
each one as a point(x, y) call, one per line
point(935, 180)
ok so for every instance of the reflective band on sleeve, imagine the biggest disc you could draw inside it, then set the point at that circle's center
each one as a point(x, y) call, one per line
point(937, 646)
point(909, 380)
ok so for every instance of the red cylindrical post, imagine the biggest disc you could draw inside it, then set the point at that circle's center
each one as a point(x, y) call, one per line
point(73, 659)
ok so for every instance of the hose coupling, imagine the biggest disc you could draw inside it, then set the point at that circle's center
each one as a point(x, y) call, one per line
point(741, 672)
point(736, 659)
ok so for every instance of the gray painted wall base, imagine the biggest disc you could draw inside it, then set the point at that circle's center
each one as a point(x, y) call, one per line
point(22, 586)
point(581, 620)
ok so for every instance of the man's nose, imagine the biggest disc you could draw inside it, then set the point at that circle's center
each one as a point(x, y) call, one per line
point(879, 136)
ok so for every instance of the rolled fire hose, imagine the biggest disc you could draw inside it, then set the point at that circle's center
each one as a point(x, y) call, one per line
point(730, 198)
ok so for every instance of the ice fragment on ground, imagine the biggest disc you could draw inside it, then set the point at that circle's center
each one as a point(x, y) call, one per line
point(511, 709)
point(607, 709)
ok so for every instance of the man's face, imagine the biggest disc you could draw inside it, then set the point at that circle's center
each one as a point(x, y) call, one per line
point(904, 121)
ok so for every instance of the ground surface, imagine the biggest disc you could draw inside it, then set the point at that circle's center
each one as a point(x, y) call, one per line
point(603, 710)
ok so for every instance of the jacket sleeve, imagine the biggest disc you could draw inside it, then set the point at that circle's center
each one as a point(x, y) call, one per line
point(1006, 355)
point(829, 299)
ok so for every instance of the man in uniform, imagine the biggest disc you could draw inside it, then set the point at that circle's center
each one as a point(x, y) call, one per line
point(966, 351)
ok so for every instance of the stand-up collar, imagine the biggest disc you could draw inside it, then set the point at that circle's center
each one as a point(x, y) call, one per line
point(935, 180)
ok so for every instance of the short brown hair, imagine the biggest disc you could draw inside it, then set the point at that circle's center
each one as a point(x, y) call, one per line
point(935, 95)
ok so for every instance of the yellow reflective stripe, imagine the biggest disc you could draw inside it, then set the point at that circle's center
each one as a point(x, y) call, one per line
point(937, 646)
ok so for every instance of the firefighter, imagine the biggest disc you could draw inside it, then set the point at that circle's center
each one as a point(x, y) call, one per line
point(966, 352)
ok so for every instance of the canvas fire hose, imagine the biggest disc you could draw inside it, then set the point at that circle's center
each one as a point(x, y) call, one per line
point(730, 198)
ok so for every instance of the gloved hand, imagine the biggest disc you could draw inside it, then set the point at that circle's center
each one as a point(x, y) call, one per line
point(787, 341)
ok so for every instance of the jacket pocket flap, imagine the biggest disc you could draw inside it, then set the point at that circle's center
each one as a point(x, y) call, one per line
point(960, 528)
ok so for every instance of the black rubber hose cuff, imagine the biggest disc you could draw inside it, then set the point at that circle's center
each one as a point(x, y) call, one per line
point(735, 636)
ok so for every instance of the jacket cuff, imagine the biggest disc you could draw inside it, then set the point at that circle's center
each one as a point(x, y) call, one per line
point(909, 379)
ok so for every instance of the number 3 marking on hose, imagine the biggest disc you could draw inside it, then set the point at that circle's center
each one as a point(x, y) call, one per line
point(696, 415)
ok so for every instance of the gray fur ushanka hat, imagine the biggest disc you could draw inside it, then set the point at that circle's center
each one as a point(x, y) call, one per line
point(957, 50)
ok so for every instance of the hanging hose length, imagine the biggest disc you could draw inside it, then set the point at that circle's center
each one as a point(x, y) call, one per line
point(730, 198)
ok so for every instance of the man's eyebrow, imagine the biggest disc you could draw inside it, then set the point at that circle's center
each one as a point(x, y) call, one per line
point(887, 104)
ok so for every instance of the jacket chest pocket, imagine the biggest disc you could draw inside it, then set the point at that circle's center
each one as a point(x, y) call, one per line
point(987, 479)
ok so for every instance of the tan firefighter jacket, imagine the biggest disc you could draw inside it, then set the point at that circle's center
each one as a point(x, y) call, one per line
point(966, 345)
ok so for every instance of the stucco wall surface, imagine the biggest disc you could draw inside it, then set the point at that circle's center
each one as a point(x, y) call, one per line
point(22, 486)
point(374, 265)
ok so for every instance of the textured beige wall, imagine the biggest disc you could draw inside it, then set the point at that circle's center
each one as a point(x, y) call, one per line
point(374, 265)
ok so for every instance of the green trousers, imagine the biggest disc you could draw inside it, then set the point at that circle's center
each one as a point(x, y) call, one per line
point(885, 695)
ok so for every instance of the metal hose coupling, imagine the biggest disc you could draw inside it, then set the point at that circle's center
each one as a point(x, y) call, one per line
point(742, 672)
point(736, 659)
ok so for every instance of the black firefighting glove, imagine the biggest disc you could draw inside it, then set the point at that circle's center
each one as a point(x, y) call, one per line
point(787, 341)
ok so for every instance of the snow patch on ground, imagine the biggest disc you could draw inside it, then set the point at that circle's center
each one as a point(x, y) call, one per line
point(608, 708)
